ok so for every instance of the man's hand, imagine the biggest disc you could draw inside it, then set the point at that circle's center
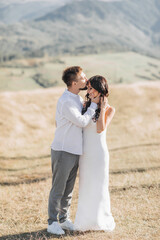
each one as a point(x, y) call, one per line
point(96, 99)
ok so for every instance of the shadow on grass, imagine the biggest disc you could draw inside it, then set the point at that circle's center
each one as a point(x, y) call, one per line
point(25, 181)
point(48, 156)
point(39, 235)
point(47, 176)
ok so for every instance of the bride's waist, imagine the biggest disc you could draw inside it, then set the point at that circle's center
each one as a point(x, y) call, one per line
point(94, 147)
point(89, 134)
point(94, 140)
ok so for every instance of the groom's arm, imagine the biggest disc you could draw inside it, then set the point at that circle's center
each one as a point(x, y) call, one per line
point(72, 113)
point(81, 100)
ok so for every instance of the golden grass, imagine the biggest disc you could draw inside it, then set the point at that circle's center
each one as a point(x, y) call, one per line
point(25, 210)
point(27, 130)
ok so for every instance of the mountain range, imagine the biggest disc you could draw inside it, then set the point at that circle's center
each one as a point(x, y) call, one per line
point(36, 28)
point(13, 11)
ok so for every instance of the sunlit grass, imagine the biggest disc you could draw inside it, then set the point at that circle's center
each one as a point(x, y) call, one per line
point(27, 129)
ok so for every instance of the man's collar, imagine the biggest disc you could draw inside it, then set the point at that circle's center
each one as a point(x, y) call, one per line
point(70, 93)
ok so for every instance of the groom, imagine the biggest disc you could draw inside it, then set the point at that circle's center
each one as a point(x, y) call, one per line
point(66, 148)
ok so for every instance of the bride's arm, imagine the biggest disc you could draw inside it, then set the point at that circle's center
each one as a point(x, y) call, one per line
point(106, 115)
point(109, 115)
point(101, 121)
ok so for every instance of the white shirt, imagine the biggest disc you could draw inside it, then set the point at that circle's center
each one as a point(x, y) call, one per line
point(69, 123)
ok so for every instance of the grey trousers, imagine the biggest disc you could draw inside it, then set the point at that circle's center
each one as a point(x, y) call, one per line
point(64, 171)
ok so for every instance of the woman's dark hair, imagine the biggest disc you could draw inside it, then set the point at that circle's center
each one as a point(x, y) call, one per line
point(100, 84)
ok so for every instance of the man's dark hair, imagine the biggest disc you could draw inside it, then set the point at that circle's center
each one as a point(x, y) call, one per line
point(70, 75)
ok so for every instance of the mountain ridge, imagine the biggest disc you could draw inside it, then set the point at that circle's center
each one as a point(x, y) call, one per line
point(87, 27)
point(18, 11)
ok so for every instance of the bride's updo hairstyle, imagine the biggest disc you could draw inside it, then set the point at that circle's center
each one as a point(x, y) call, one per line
point(99, 83)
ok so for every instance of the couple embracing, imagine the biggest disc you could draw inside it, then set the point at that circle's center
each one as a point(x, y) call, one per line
point(80, 141)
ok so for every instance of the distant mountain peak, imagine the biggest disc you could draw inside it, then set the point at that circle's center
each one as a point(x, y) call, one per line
point(69, 11)
point(82, 26)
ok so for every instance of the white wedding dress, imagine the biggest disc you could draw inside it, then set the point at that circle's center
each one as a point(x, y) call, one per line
point(94, 211)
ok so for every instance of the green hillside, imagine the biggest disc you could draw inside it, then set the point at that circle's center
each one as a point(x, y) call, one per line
point(46, 72)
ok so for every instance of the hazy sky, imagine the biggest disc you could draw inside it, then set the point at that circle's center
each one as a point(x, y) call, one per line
point(22, 1)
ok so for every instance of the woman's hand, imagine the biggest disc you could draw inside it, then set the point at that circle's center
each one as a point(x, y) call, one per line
point(104, 102)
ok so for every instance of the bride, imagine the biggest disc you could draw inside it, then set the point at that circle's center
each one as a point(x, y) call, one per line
point(94, 211)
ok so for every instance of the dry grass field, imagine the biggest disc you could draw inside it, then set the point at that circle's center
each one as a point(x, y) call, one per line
point(133, 138)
